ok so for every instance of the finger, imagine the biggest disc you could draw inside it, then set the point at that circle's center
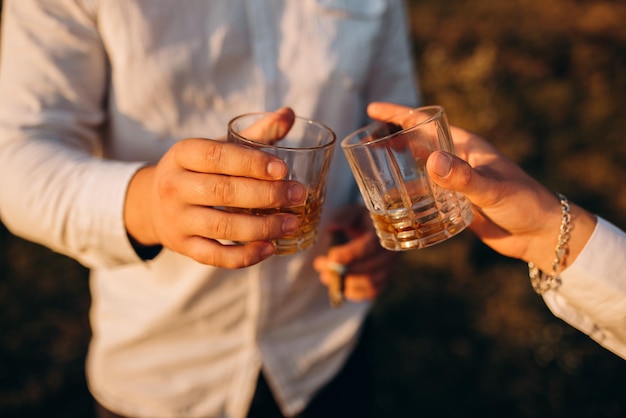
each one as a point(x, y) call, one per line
point(398, 116)
point(450, 172)
point(474, 149)
point(358, 288)
point(379, 261)
point(217, 224)
point(210, 252)
point(242, 192)
point(358, 248)
point(271, 128)
point(385, 110)
point(210, 156)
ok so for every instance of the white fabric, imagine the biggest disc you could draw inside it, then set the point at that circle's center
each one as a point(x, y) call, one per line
point(91, 90)
point(592, 296)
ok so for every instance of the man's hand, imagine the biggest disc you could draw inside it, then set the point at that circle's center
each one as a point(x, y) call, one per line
point(177, 202)
point(367, 265)
point(514, 214)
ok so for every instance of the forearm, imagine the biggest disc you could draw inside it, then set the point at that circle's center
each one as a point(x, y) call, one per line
point(66, 200)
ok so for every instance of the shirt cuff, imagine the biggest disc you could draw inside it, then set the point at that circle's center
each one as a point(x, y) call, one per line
point(592, 296)
point(101, 232)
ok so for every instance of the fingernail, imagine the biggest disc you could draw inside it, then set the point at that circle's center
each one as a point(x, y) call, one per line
point(290, 224)
point(276, 169)
point(296, 193)
point(442, 164)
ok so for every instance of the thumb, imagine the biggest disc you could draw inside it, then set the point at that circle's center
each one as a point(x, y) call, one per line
point(271, 128)
point(453, 173)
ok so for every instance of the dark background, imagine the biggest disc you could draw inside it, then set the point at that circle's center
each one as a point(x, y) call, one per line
point(459, 332)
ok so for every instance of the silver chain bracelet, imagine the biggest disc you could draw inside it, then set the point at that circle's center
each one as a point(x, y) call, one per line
point(540, 281)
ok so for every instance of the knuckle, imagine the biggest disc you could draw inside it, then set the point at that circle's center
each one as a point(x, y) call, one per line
point(181, 149)
point(209, 259)
point(465, 174)
point(248, 259)
point(214, 151)
point(224, 190)
point(177, 149)
point(222, 227)
point(207, 253)
point(197, 253)
point(248, 161)
point(166, 186)
point(236, 258)
point(270, 225)
point(273, 195)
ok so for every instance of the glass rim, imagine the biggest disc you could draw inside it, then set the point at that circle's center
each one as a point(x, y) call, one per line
point(308, 121)
point(439, 110)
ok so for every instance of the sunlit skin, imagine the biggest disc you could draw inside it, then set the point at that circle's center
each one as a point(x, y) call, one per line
point(173, 203)
point(369, 266)
point(515, 214)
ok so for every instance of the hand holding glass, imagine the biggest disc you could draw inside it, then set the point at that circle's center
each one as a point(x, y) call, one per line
point(388, 160)
point(307, 148)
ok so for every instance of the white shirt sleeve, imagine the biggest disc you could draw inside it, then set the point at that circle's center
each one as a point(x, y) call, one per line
point(592, 296)
point(61, 193)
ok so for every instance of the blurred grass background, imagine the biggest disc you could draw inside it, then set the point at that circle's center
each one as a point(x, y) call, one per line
point(460, 332)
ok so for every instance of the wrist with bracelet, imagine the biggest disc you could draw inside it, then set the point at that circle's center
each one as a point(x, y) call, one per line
point(541, 281)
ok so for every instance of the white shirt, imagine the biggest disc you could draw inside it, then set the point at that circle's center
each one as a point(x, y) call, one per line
point(92, 90)
point(592, 296)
